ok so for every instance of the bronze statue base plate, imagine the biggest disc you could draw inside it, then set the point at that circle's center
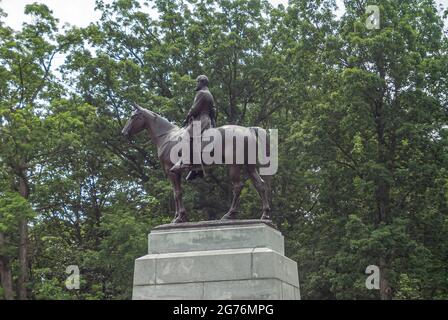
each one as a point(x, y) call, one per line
point(213, 223)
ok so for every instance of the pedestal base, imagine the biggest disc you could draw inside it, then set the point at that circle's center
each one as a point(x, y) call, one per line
point(238, 259)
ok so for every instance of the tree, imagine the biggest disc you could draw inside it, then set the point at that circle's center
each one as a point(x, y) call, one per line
point(26, 59)
point(362, 120)
point(375, 138)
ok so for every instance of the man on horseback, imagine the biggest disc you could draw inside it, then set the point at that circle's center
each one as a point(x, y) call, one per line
point(203, 110)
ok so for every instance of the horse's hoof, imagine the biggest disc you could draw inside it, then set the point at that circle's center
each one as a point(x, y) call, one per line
point(180, 219)
point(265, 217)
point(229, 216)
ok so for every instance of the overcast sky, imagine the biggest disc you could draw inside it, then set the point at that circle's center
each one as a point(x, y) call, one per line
point(80, 12)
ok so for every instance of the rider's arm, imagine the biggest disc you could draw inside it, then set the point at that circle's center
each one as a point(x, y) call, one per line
point(212, 114)
point(198, 104)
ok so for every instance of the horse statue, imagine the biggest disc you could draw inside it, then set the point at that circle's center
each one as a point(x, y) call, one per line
point(165, 135)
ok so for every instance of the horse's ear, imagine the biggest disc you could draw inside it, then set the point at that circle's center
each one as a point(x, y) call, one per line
point(137, 107)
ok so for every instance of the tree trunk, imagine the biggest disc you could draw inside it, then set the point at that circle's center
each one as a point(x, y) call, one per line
point(5, 272)
point(23, 244)
point(382, 192)
point(385, 290)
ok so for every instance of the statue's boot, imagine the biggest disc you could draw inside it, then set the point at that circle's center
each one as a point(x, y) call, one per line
point(193, 174)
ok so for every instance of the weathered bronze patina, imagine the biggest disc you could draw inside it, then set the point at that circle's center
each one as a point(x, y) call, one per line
point(165, 135)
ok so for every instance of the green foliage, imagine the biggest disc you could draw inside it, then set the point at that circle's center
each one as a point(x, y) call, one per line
point(362, 119)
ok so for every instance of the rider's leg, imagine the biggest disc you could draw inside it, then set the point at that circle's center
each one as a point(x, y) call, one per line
point(180, 165)
point(205, 123)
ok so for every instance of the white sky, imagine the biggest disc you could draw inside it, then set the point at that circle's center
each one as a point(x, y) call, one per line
point(75, 12)
point(81, 12)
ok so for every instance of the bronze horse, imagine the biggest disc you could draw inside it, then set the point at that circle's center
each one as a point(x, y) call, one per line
point(164, 135)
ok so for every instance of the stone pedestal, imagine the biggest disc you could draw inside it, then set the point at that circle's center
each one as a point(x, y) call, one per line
point(237, 259)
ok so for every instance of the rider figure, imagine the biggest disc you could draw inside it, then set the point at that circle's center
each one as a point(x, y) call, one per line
point(203, 110)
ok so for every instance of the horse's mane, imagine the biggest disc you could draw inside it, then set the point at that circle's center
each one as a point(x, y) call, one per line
point(165, 122)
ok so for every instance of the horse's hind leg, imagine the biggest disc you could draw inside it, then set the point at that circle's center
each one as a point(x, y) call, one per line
point(262, 189)
point(181, 214)
point(237, 186)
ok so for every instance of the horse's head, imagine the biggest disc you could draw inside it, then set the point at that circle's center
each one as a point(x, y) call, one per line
point(146, 119)
point(136, 123)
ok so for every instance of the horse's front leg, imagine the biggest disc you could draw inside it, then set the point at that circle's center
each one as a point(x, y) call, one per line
point(181, 213)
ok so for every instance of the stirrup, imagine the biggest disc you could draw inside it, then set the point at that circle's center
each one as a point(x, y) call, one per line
point(193, 174)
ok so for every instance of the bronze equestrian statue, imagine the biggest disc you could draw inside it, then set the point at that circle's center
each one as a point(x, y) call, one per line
point(165, 135)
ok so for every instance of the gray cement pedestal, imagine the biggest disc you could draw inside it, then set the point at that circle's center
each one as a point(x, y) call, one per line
point(236, 259)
